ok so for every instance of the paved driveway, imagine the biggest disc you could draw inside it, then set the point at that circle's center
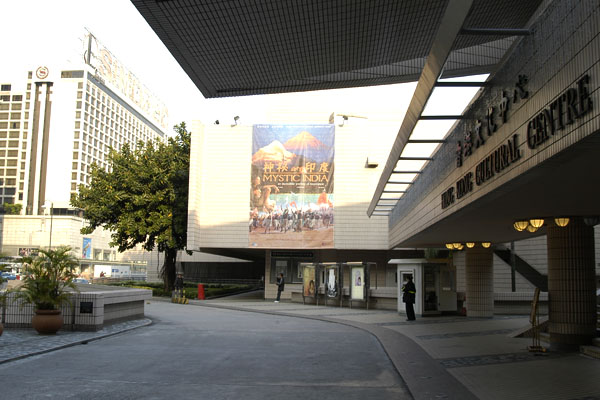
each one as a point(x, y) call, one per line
point(198, 352)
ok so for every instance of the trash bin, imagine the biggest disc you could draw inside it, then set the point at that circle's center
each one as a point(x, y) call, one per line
point(200, 291)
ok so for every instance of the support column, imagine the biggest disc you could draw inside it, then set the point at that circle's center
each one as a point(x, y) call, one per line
point(571, 285)
point(480, 282)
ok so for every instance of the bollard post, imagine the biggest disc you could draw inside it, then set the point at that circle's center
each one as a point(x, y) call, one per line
point(200, 291)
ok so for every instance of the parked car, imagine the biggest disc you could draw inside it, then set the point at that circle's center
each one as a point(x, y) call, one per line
point(81, 280)
point(8, 275)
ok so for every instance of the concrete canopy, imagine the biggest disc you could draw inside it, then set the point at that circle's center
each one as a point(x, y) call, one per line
point(236, 48)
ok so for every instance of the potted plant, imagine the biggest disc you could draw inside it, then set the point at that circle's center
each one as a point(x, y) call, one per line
point(46, 280)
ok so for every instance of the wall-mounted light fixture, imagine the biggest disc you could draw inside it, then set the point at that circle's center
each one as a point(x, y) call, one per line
point(562, 221)
point(486, 245)
point(591, 221)
point(536, 223)
point(235, 120)
point(217, 122)
point(531, 228)
point(449, 246)
point(371, 164)
point(520, 225)
point(470, 245)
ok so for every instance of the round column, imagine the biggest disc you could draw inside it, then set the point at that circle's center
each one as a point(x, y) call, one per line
point(571, 285)
point(480, 282)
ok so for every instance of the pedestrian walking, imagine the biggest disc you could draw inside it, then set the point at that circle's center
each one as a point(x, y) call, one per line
point(280, 287)
point(408, 297)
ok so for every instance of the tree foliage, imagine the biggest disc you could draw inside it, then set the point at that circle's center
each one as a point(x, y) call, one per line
point(143, 198)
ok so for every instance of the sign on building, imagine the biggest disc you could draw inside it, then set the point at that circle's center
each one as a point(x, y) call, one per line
point(291, 188)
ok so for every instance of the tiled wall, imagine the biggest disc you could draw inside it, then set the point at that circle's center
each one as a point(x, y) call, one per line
point(220, 186)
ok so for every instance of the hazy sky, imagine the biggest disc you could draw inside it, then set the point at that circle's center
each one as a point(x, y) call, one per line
point(49, 33)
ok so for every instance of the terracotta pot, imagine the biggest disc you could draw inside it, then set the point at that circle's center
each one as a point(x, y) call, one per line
point(47, 322)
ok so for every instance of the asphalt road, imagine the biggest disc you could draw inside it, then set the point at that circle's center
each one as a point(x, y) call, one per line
point(204, 353)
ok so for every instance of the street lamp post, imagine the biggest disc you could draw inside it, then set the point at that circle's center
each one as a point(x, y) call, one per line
point(51, 220)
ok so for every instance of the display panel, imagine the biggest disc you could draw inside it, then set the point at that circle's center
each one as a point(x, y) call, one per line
point(357, 282)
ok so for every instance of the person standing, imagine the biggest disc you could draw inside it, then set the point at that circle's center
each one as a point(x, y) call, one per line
point(179, 285)
point(408, 297)
point(280, 287)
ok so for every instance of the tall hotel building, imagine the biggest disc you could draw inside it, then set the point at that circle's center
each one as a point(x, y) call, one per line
point(52, 129)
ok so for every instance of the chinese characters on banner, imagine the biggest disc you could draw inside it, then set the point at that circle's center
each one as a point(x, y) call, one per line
point(291, 188)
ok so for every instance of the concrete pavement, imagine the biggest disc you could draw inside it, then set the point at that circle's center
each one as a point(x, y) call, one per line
point(454, 357)
point(200, 352)
point(293, 351)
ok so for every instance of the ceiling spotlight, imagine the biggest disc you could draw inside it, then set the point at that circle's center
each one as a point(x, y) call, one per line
point(520, 225)
point(470, 245)
point(536, 222)
point(562, 221)
point(486, 244)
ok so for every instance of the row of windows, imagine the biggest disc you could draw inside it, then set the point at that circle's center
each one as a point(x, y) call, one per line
point(15, 106)
point(4, 116)
point(13, 125)
point(15, 97)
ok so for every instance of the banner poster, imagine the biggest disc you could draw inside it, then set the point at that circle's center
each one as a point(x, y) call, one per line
point(308, 280)
point(291, 188)
point(357, 281)
point(87, 248)
point(332, 281)
point(28, 251)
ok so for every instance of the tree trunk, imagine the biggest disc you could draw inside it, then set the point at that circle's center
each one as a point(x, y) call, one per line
point(167, 271)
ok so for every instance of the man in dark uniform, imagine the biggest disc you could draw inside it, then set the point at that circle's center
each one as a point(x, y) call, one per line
point(280, 286)
point(408, 297)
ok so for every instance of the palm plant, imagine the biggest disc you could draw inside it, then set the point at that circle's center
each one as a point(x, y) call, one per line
point(47, 277)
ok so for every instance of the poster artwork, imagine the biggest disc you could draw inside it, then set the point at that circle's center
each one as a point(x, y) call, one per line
point(332, 284)
point(309, 282)
point(86, 248)
point(291, 188)
point(357, 282)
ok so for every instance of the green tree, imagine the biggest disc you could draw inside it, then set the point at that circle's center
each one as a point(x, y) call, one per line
point(14, 209)
point(143, 198)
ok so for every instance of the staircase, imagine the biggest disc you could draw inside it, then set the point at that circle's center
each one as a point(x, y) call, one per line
point(523, 268)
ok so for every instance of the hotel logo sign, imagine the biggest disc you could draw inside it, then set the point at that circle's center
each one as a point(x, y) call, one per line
point(110, 70)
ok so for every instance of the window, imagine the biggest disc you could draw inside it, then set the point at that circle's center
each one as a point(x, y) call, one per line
point(18, 97)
